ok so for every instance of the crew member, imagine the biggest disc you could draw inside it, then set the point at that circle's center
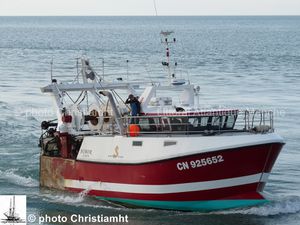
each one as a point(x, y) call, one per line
point(135, 107)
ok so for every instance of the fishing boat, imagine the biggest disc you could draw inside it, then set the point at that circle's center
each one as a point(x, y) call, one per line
point(170, 154)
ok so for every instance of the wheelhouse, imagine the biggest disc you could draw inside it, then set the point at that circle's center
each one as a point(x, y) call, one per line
point(188, 123)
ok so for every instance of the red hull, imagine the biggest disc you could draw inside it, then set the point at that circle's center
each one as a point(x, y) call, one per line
point(238, 162)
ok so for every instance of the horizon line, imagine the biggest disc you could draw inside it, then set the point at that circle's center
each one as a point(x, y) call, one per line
point(250, 15)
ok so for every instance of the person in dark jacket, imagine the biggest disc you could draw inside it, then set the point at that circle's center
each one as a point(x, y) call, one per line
point(135, 107)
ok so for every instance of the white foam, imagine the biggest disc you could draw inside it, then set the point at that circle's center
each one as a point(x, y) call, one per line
point(11, 177)
point(278, 206)
point(68, 198)
point(10, 153)
point(74, 200)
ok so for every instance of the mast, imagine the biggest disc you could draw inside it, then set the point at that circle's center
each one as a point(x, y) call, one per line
point(10, 208)
point(168, 40)
point(13, 210)
point(165, 39)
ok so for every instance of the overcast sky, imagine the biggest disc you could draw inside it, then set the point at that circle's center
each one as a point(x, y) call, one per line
point(146, 7)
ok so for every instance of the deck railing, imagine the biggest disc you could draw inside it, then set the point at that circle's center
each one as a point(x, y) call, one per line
point(256, 121)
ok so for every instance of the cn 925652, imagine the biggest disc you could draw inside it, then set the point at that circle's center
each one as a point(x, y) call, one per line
point(200, 162)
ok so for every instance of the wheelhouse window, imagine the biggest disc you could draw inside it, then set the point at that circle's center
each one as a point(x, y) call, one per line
point(178, 123)
point(189, 124)
point(147, 124)
point(203, 123)
point(230, 121)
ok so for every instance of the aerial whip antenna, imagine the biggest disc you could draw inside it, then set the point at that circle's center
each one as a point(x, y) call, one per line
point(51, 68)
point(154, 4)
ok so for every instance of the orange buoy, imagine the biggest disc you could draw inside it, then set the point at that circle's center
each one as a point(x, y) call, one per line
point(134, 130)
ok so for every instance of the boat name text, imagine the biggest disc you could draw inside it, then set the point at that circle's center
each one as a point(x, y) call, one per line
point(200, 162)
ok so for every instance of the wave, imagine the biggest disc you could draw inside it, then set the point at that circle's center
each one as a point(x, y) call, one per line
point(3, 105)
point(278, 206)
point(18, 136)
point(10, 153)
point(13, 178)
point(77, 199)
point(69, 198)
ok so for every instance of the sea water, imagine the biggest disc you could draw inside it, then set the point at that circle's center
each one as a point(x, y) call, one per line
point(239, 62)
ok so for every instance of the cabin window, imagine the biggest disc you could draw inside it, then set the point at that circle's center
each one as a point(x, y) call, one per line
point(137, 143)
point(178, 124)
point(213, 123)
point(230, 121)
point(193, 121)
point(197, 123)
point(144, 124)
point(218, 122)
point(204, 121)
point(165, 124)
point(193, 124)
point(147, 124)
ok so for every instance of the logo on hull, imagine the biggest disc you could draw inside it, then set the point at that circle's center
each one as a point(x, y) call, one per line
point(116, 153)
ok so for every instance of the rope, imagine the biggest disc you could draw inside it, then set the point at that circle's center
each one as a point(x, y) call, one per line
point(120, 99)
point(83, 97)
point(69, 97)
point(79, 97)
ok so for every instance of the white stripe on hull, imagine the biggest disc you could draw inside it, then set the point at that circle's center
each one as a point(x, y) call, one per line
point(166, 189)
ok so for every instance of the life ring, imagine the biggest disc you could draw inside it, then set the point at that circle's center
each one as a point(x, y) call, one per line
point(134, 130)
point(95, 122)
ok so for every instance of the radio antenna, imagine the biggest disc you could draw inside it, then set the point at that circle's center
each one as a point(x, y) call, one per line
point(51, 68)
point(154, 4)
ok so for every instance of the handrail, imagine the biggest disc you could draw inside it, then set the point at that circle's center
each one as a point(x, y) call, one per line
point(243, 121)
point(261, 117)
